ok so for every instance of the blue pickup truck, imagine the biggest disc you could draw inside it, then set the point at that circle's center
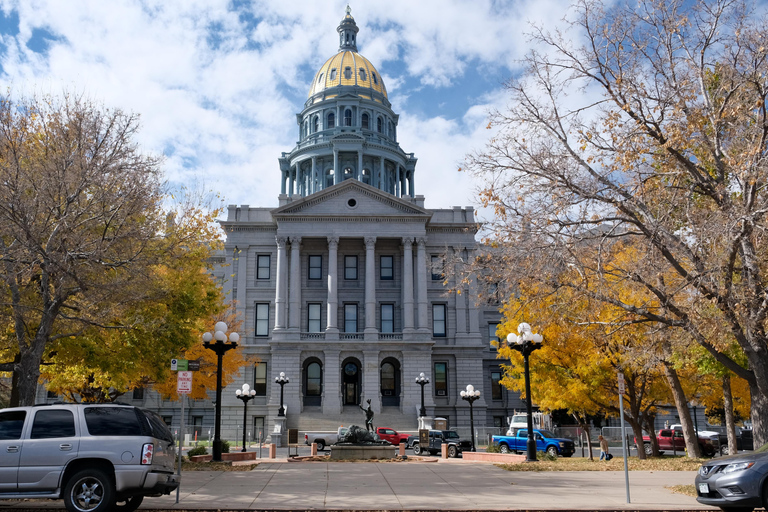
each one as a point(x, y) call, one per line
point(545, 442)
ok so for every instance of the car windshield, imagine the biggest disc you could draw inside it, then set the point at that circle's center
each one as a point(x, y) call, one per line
point(546, 433)
point(450, 434)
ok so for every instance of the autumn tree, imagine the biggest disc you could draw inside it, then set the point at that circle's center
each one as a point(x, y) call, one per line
point(645, 122)
point(86, 234)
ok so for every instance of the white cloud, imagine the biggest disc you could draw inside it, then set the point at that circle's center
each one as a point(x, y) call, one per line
point(218, 89)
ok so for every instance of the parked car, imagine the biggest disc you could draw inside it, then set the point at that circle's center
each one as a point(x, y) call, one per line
point(673, 440)
point(735, 482)
point(96, 457)
point(391, 435)
point(437, 438)
point(545, 442)
point(323, 439)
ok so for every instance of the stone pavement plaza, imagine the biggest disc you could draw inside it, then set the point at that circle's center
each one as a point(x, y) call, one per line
point(438, 485)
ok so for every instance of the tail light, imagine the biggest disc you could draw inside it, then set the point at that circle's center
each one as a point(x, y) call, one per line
point(147, 451)
point(306, 438)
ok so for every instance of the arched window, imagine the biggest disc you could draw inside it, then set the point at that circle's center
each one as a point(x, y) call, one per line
point(348, 117)
point(348, 73)
point(306, 128)
point(329, 178)
point(331, 121)
point(348, 173)
point(333, 74)
point(316, 122)
point(373, 75)
point(320, 78)
point(390, 131)
point(367, 176)
point(365, 122)
point(362, 75)
point(389, 379)
point(313, 382)
point(379, 125)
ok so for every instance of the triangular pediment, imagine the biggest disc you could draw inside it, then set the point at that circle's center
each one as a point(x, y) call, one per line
point(351, 199)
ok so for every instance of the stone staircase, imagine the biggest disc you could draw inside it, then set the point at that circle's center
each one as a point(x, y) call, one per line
point(312, 419)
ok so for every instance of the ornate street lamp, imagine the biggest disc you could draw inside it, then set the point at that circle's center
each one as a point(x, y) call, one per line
point(282, 380)
point(526, 343)
point(470, 395)
point(422, 380)
point(220, 347)
point(246, 395)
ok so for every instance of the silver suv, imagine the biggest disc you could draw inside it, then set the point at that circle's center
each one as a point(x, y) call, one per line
point(97, 457)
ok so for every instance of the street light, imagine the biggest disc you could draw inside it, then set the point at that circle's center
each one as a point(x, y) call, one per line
point(470, 395)
point(245, 394)
point(422, 380)
point(282, 380)
point(526, 343)
point(220, 347)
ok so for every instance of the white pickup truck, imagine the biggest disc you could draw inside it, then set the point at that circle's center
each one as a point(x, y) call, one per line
point(323, 439)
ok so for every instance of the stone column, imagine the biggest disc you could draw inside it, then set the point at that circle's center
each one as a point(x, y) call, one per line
point(282, 283)
point(282, 181)
point(242, 281)
point(474, 317)
point(421, 287)
point(332, 382)
point(398, 182)
point(336, 170)
point(313, 187)
point(461, 304)
point(360, 165)
point(370, 288)
point(408, 284)
point(291, 179)
point(371, 381)
point(294, 309)
point(333, 267)
point(382, 179)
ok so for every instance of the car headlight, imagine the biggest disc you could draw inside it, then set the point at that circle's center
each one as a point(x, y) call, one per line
point(738, 466)
point(562, 445)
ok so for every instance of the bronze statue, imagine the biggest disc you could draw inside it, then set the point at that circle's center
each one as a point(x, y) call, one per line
point(368, 416)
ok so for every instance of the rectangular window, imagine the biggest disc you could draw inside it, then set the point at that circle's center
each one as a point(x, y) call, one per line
point(350, 267)
point(441, 379)
point(350, 317)
point(11, 425)
point(436, 265)
point(387, 268)
point(197, 427)
point(387, 318)
point(313, 317)
point(138, 393)
point(492, 336)
point(496, 385)
point(106, 421)
point(262, 266)
point(262, 319)
point(438, 320)
point(168, 420)
point(258, 428)
point(260, 379)
point(315, 267)
point(54, 423)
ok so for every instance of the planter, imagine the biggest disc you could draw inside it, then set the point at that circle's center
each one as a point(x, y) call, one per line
point(502, 458)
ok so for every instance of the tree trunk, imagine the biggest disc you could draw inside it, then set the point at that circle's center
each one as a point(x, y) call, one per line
point(27, 372)
point(758, 389)
point(583, 422)
point(730, 425)
point(637, 429)
point(691, 439)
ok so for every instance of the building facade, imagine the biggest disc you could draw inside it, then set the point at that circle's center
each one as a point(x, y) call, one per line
point(341, 285)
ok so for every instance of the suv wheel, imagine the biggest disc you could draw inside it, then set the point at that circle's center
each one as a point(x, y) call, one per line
point(320, 445)
point(552, 451)
point(453, 452)
point(89, 490)
point(416, 449)
point(503, 448)
point(128, 504)
point(648, 449)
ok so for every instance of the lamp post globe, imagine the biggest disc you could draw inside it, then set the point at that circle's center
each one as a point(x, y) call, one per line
point(526, 342)
point(219, 347)
point(282, 380)
point(422, 380)
point(470, 395)
point(245, 394)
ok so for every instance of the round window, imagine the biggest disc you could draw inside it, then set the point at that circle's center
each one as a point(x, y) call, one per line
point(352, 203)
point(350, 369)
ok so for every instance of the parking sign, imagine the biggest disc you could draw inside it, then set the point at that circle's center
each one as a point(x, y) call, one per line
point(184, 383)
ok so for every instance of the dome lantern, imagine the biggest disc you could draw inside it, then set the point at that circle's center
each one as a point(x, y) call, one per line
point(348, 30)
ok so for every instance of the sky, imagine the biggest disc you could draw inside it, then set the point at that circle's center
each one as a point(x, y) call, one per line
point(218, 83)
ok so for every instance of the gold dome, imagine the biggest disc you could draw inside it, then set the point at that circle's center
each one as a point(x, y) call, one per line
point(348, 68)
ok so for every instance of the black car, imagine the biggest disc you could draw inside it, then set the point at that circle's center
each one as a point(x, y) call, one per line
point(735, 483)
point(437, 438)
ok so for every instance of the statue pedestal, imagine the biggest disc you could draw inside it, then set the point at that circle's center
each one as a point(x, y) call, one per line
point(357, 452)
point(425, 422)
point(277, 434)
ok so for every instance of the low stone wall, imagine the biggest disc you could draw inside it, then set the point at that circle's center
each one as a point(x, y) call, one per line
point(341, 452)
point(501, 458)
point(234, 456)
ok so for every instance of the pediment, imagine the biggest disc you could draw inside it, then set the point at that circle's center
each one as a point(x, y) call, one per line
point(350, 199)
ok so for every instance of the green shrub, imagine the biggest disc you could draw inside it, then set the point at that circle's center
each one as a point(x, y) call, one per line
point(493, 448)
point(197, 450)
point(224, 446)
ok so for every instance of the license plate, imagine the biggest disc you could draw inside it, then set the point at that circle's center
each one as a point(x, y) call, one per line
point(704, 488)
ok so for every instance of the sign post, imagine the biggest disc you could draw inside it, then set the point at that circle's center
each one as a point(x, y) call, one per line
point(623, 434)
point(183, 387)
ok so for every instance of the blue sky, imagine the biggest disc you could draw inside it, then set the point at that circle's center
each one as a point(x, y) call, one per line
point(218, 83)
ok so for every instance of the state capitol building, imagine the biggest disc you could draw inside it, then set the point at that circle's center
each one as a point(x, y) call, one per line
point(339, 286)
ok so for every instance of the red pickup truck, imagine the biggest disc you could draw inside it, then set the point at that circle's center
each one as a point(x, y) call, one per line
point(391, 435)
point(673, 441)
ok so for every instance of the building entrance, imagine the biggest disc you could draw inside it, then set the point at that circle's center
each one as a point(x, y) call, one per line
point(350, 384)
